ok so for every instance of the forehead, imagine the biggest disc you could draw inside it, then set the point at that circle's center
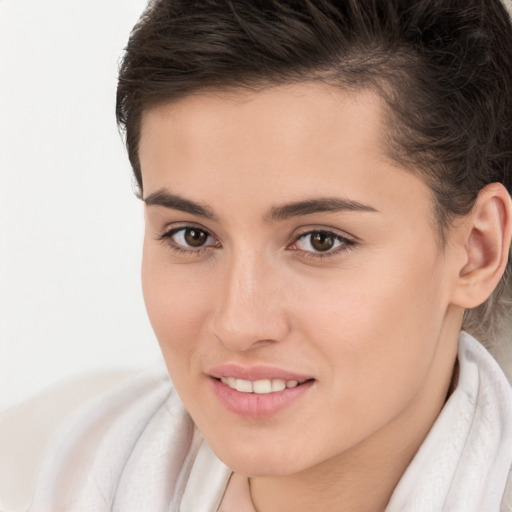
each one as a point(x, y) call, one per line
point(272, 146)
point(276, 114)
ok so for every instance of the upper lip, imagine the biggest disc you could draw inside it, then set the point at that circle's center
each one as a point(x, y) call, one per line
point(257, 372)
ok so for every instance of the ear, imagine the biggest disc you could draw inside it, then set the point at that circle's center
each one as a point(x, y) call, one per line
point(486, 238)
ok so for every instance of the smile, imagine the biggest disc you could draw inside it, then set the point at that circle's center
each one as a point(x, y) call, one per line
point(260, 387)
point(258, 392)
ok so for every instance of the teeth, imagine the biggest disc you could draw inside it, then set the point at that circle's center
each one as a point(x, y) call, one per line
point(262, 386)
point(278, 385)
point(259, 386)
point(245, 386)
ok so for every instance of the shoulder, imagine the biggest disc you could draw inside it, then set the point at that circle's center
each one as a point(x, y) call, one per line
point(26, 429)
point(78, 431)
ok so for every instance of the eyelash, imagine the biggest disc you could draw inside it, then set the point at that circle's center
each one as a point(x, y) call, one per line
point(346, 244)
point(180, 249)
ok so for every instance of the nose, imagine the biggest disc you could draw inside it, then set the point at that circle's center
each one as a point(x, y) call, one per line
point(249, 311)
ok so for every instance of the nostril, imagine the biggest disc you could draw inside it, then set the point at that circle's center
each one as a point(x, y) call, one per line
point(242, 341)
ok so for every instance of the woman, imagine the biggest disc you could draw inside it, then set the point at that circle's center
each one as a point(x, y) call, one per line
point(327, 202)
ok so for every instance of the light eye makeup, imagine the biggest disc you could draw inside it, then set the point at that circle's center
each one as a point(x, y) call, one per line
point(191, 240)
point(321, 243)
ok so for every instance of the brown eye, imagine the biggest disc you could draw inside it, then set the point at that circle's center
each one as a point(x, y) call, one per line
point(191, 238)
point(322, 241)
point(195, 237)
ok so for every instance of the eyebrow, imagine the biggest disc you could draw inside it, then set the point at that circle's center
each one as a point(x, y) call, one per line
point(317, 205)
point(277, 213)
point(174, 202)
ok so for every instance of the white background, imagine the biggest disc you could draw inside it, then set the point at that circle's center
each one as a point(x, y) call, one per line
point(70, 225)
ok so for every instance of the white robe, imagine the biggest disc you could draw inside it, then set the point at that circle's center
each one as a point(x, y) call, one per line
point(137, 450)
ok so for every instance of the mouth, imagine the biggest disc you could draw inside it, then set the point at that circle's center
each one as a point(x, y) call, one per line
point(258, 392)
point(261, 386)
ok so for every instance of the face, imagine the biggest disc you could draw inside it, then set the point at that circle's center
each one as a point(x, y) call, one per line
point(292, 274)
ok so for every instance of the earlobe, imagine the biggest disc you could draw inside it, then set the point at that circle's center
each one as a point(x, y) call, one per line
point(487, 238)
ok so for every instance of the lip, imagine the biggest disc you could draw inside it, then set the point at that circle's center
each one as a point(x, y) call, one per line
point(254, 405)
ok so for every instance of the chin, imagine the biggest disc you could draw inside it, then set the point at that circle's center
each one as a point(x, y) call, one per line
point(252, 468)
point(256, 460)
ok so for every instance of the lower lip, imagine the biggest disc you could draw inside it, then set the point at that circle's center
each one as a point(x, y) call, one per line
point(254, 405)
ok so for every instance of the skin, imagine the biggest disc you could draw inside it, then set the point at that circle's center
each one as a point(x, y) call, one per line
point(374, 321)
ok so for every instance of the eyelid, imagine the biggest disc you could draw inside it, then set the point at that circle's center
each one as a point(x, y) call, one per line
point(348, 241)
point(305, 230)
point(170, 231)
point(177, 226)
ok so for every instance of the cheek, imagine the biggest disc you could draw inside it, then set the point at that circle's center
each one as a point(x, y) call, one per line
point(375, 296)
point(377, 323)
point(177, 302)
